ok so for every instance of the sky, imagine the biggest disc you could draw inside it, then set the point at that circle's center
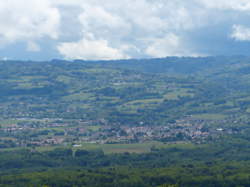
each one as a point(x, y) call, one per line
point(122, 29)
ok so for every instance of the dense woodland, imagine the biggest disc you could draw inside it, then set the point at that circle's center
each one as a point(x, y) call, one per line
point(223, 163)
point(203, 105)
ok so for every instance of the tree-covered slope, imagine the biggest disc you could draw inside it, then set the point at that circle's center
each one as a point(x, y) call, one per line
point(61, 122)
point(135, 90)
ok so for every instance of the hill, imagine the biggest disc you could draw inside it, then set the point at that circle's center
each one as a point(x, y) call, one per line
point(149, 122)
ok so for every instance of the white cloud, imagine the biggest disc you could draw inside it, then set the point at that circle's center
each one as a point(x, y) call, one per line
point(242, 5)
point(113, 29)
point(131, 23)
point(167, 46)
point(100, 22)
point(27, 20)
point(170, 45)
point(33, 47)
point(241, 33)
point(90, 49)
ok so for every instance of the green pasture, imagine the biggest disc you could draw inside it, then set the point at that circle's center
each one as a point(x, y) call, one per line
point(208, 116)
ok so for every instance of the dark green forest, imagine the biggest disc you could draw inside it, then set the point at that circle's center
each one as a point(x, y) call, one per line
point(223, 163)
point(166, 122)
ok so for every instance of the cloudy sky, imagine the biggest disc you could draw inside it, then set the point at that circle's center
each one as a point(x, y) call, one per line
point(120, 29)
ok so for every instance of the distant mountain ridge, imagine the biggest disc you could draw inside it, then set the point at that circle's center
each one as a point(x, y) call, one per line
point(124, 91)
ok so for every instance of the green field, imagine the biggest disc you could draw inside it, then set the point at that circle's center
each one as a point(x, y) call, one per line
point(209, 116)
point(181, 92)
point(122, 148)
point(8, 122)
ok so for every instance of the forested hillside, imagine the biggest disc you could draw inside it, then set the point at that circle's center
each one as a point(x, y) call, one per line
point(149, 122)
point(124, 90)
